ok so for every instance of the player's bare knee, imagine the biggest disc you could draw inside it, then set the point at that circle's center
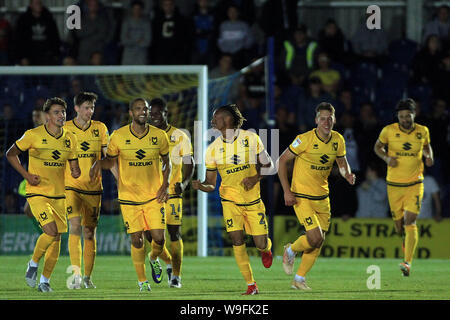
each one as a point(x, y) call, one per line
point(89, 233)
point(174, 232)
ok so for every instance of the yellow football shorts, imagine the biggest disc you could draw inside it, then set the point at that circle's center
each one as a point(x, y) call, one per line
point(46, 210)
point(174, 210)
point(313, 213)
point(403, 199)
point(86, 206)
point(251, 218)
point(143, 217)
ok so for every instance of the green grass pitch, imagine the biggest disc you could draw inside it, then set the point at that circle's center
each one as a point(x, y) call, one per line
point(218, 278)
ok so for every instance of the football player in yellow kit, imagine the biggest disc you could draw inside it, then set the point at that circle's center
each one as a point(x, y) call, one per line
point(238, 156)
point(50, 147)
point(143, 185)
point(180, 150)
point(314, 153)
point(402, 146)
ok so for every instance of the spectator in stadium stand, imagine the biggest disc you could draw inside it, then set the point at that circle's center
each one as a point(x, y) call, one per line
point(296, 57)
point(223, 69)
point(246, 8)
point(332, 41)
point(372, 194)
point(171, 36)
point(96, 33)
point(36, 36)
point(308, 102)
point(330, 78)
point(431, 201)
point(344, 102)
point(135, 36)
point(205, 28)
point(346, 127)
point(425, 64)
point(235, 37)
point(370, 45)
point(279, 19)
point(367, 128)
point(440, 88)
point(11, 125)
point(5, 41)
point(439, 26)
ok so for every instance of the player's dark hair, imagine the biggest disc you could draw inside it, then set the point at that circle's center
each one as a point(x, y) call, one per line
point(325, 106)
point(233, 109)
point(130, 106)
point(82, 97)
point(158, 102)
point(406, 104)
point(51, 101)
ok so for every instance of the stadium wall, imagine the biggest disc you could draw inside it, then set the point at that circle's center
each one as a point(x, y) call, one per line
point(353, 238)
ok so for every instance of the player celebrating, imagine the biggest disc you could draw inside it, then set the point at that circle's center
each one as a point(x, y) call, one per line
point(238, 155)
point(314, 152)
point(83, 199)
point(143, 186)
point(182, 171)
point(406, 142)
point(49, 147)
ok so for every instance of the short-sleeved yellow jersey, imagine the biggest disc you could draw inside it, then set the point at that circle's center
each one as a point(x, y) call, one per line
point(408, 148)
point(236, 160)
point(179, 146)
point(90, 143)
point(48, 155)
point(138, 158)
point(313, 163)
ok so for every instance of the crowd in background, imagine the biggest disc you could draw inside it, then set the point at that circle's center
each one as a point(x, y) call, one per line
point(363, 75)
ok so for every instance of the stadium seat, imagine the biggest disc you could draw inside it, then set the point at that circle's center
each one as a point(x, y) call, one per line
point(423, 94)
point(403, 51)
point(364, 74)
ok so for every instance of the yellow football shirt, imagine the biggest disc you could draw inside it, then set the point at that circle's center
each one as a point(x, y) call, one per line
point(179, 146)
point(236, 160)
point(90, 143)
point(138, 162)
point(313, 163)
point(407, 147)
point(48, 157)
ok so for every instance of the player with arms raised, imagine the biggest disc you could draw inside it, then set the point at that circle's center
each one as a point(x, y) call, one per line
point(49, 147)
point(142, 185)
point(180, 150)
point(314, 153)
point(239, 155)
point(402, 145)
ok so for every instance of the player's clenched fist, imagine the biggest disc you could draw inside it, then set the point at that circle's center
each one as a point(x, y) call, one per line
point(33, 179)
point(196, 184)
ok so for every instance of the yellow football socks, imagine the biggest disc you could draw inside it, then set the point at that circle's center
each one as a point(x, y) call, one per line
point(51, 258)
point(165, 255)
point(269, 246)
point(301, 244)
point(308, 259)
point(89, 252)
point(411, 240)
point(138, 258)
point(75, 253)
point(156, 250)
point(42, 244)
point(243, 262)
point(176, 247)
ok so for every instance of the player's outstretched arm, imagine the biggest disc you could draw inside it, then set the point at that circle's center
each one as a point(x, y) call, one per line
point(75, 170)
point(428, 154)
point(209, 185)
point(13, 158)
point(345, 170)
point(286, 157)
point(188, 173)
point(380, 151)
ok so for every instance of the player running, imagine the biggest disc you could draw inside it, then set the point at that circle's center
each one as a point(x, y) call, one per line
point(143, 185)
point(180, 150)
point(49, 148)
point(238, 155)
point(402, 145)
point(314, 152)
